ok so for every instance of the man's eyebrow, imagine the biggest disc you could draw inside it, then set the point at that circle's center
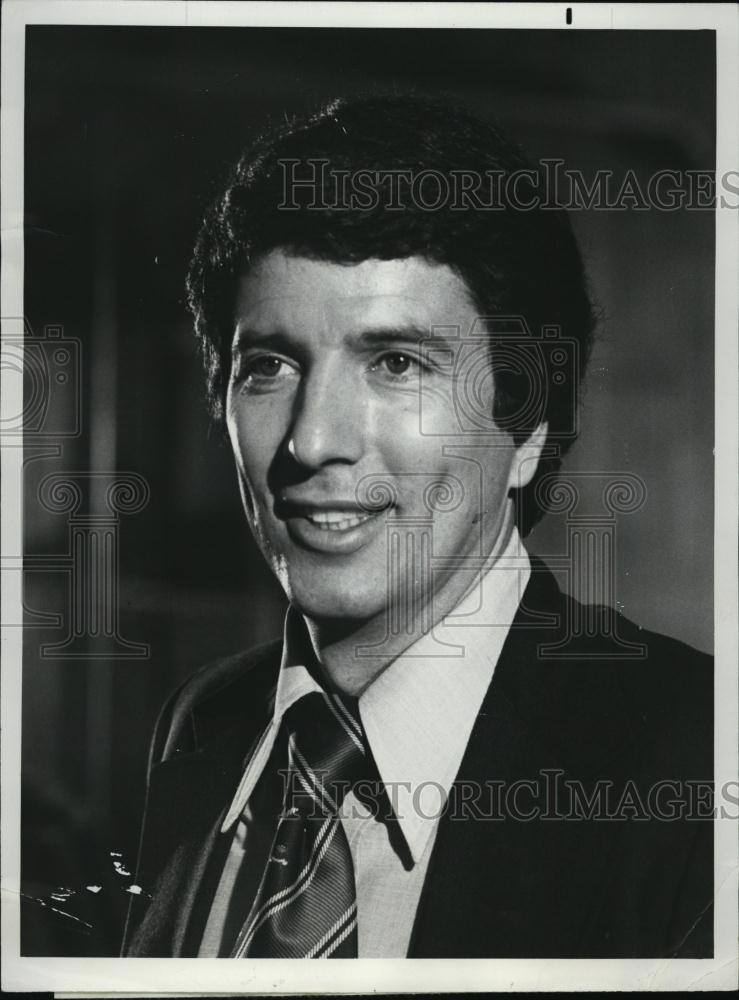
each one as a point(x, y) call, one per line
point(379, 336)
point(279, 340)
point(247, 337)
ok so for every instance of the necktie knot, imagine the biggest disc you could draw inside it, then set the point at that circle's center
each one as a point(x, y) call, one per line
point(326, 752)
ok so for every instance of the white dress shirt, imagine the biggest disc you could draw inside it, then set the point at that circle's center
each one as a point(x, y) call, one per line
point(418, 715)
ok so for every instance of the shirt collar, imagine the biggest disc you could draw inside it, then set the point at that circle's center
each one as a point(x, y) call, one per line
point(293, 682)
point(419, 713)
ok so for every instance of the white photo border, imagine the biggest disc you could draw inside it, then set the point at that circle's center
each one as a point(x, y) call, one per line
point(130, 976)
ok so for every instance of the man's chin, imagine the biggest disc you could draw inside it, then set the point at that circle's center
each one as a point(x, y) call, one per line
point(341, 610)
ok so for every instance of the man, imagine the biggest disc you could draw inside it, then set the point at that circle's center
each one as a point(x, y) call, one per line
point(439, 759)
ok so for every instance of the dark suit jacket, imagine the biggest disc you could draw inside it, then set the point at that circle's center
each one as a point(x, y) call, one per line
point(581, 708)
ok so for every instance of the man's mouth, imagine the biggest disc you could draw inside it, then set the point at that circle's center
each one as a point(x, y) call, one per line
point(337, 527)
point(336, 520)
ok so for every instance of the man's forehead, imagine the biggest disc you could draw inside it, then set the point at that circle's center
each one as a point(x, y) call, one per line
point(371, 293)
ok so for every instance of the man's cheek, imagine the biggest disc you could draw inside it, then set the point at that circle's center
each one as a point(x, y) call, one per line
point(255, 447)
point(406, 445)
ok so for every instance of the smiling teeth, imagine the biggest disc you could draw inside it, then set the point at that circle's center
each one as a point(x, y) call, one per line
point(336, 520)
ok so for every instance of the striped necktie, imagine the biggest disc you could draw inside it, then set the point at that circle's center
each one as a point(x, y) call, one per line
point(307, 906)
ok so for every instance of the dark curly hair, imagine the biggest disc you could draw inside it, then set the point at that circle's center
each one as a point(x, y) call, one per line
point(517, 260)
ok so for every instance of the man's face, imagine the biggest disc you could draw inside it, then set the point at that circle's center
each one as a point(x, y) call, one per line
point(334, 406)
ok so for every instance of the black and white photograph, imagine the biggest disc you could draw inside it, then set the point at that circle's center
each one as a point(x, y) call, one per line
point(369, 446)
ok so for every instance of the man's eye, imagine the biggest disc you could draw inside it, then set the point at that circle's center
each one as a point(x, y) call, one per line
point(266, 366)
point(262, 371)
point(263, 367)
point(398, 363)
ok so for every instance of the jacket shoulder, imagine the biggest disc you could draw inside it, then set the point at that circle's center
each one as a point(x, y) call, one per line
point(594, 681)
point(662, 667)
point(673, 688)
point(213, 689)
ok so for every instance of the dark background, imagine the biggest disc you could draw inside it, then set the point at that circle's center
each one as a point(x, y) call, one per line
point(129, 134)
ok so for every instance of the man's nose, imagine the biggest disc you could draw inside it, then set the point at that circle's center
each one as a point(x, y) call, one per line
point(329, 421)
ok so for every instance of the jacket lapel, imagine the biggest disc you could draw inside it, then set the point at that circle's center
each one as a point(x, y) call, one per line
point(499, 884)
point(189, 795)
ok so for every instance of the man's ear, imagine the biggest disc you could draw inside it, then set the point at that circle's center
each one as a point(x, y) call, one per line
point(526, 458)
